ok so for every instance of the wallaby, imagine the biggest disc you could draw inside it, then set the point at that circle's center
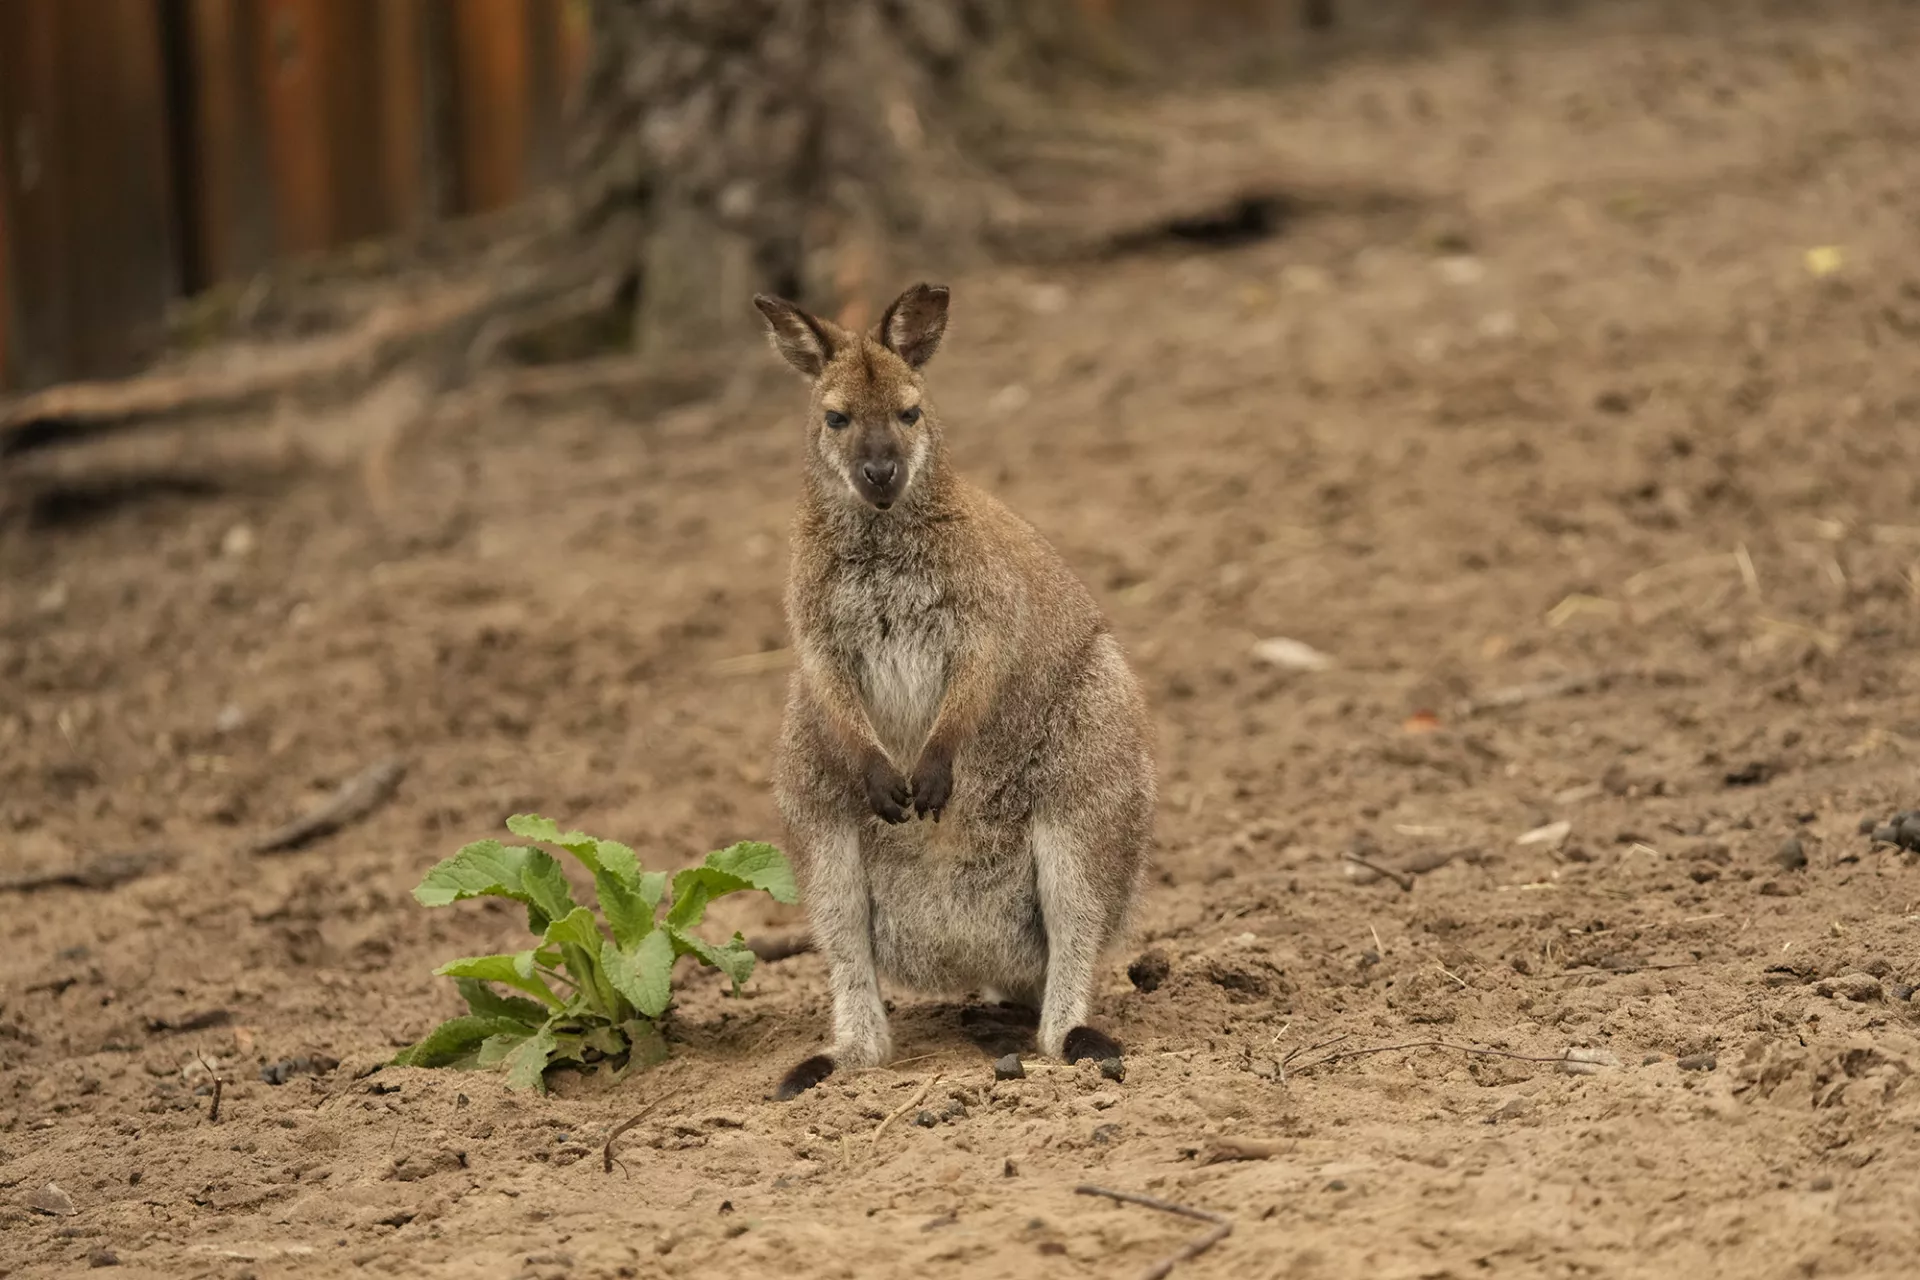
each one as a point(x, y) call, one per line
point(949, 666)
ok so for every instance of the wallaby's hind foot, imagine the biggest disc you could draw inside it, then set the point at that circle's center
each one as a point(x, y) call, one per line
point(1084, 1042)
point(803, 1077)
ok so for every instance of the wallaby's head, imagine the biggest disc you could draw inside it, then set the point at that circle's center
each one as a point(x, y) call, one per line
point(871, 429)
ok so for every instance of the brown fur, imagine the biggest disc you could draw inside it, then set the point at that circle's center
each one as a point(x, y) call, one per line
point(951, 668)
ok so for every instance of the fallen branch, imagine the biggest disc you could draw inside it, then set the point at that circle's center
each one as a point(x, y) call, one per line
point(108, 871)
point(919, 1097)
point(1400, 878)
point(606, 1151)
point(1222, 1228)
point(780, 947)
point(359, 796)
point(1475, 1050)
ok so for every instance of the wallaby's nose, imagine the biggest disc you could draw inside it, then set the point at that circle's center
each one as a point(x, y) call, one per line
point(879, 474)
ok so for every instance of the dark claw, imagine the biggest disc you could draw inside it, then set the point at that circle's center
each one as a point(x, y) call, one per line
point(1085, 1042)
point(804, 1077)
point(887, 792)
point(933, 784)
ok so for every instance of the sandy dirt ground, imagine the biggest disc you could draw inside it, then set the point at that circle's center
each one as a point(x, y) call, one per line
point(1570, 409)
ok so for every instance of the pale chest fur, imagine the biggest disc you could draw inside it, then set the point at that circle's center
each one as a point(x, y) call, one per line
point(899, 638)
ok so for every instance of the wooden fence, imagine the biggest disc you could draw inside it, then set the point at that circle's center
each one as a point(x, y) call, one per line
point(152, 148)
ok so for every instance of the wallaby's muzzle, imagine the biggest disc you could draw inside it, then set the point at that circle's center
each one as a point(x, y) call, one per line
point(879, 477)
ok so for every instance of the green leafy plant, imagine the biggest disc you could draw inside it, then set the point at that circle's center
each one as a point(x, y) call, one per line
point(589, 990)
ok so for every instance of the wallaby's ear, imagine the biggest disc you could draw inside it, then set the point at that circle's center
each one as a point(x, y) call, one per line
point(802, 340)
point(912, 327)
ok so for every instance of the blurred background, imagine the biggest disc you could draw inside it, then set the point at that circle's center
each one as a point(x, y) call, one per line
point(1492, 427)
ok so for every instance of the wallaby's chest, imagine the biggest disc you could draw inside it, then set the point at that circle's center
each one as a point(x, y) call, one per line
point(899, 635)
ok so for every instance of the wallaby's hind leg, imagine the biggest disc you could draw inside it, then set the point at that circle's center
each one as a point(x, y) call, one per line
point(1080, 913)
point(835, 886)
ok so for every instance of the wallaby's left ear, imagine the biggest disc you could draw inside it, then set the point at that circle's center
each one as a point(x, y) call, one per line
point(803, 340)
point(913, 325)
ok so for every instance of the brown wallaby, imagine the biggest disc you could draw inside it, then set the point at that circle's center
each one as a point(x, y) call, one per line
point(949, 667)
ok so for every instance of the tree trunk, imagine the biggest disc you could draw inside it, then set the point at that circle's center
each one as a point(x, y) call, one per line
point(813, 148)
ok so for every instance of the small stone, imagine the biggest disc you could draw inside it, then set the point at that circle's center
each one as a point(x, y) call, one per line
point(52, 1201)
point(1010, 1068)
point(1338, 1184)
point(1106, 1133)
point(955, 1110)
point(1902, 991)
point(1888, 834)
point(103, 1258)
point(1613, 402)
point(1908, 832)
point(1149, 970)
point(1511, 1109)
point(1648, 1059)
point(926, 1120)
point(1858, 987)
point(1113, 1069)
point(1867, 824)
point(1792, 855)
point(1821, 1183)
point(1697, 1062)
point(238, 542)
point(1009, 1169)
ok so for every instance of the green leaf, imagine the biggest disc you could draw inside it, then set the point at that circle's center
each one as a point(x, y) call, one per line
point(526, 1064)
point(483, 868)
point(596, 855)
point(578, 928)
point(455, 1039)
point(734, 958)
point(485, 1002)
point(760, 865)
point(731, 870)
point(546, 885)
point(629, 915)
point(643, 974)
point(513, 971)
point(646, 1046)
point(494, 1049)
point(487, 868)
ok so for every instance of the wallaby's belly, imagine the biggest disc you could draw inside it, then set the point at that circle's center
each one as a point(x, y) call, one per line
point(902, 678)
point(947, 924)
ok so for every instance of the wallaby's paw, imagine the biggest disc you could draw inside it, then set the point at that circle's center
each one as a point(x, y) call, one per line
point(804, 1077)
point(888, 792)
point(1085, 1042)
point(932, 783)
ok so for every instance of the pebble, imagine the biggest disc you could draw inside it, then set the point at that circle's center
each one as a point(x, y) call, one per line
point(305, 1065)
point(1888, 834)
point(52, 1201)
point(1858, 987)
point(1903, 991)
point(1867, 824)
point(1697, 1062)
point(1010, 1068)
point(1792, 855)
point(1113, 1069)
point(103, 1258)
point(926, 1120)
point(1149, 970)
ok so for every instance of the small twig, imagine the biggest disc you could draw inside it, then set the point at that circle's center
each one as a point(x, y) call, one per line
point(1430, 1044)
point(1221, 1150)
point(919, 1097)
point(356, 798)
point(1308, 1048)
point(1222, 1228)
point(213, 1107)
point(606, 1151)
point(1518, 694)
point(1400, 878)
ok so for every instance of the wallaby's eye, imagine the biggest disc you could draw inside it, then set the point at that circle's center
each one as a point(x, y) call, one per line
point(910, 416)
point(837, 420)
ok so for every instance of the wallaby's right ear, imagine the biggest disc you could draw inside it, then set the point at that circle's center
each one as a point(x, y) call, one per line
point(802, 340)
